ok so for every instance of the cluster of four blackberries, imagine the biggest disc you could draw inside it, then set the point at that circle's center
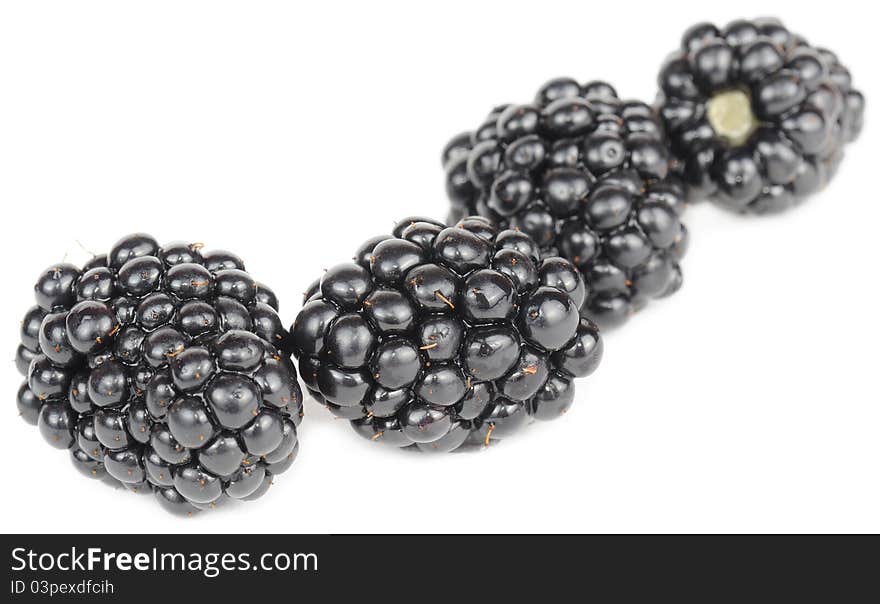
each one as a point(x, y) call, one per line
point(168, 370)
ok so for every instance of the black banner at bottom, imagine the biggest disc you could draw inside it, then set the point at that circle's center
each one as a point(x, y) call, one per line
point(412, 568)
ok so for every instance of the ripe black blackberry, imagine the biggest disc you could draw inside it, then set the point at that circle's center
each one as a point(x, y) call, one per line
point(438, 337)
point(160, 368)
point(757, 118)
point(587, 176)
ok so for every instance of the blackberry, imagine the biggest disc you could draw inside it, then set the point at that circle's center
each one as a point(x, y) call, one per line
point(438, 337)
point(161, 368)
point(587, 176)
point(757, 118)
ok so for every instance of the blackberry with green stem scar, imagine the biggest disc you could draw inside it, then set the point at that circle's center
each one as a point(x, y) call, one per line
point(161, 368)
point(757, 118)
point(438, 337)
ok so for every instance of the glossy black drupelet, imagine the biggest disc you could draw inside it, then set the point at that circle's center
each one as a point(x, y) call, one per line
point(757, 118)
point(588, 177)
point(161, 368)
point(439, 337)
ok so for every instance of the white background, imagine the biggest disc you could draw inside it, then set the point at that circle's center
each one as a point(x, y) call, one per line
point(288, 132)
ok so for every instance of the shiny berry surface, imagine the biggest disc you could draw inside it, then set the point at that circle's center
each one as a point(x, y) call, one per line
point(757, 117)
point(440, 337)
point(588, 177)
point(163, 368)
